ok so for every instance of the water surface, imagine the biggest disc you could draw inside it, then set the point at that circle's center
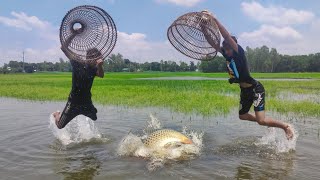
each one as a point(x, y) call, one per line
point(230, 149)
point(193, 78)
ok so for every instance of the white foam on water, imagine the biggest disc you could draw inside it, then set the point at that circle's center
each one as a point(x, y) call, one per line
point(276, 137)
point(155, 164)
point(132, 145)
point(152, 125)
point(196, 137)
point(80, 129)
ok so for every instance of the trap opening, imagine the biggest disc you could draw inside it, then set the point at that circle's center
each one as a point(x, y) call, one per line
point(76, 26)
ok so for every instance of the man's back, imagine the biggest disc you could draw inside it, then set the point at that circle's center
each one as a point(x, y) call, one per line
point(82, 79)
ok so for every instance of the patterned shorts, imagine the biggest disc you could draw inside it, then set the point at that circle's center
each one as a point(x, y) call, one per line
point(253, 95)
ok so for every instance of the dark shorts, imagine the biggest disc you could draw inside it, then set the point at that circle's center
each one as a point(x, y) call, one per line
point(72, 110)
point(254, 95)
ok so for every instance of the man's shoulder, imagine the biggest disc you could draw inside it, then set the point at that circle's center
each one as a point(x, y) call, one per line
point(241, 53)
point(240, 49)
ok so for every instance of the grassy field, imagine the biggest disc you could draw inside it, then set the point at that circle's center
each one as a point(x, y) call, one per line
point(205, 97)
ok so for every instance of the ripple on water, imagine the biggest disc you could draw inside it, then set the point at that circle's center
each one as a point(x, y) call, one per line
point(33, 151)
point(29, 150)
point(27, 143)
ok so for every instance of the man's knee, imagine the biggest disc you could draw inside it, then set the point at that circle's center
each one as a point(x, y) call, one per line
point(60, 127)
point(244, 116)
point(94, 117)
point(261, 121)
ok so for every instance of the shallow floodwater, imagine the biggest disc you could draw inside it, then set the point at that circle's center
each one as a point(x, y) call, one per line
point(31, 148)
point(193, 78)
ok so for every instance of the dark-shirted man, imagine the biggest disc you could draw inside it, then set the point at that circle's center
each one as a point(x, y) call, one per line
point(83, 74)
point(252, 91)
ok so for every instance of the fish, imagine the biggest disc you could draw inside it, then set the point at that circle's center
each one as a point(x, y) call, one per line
point(165, 138)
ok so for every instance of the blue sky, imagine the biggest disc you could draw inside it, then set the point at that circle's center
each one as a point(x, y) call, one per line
point(291, 26)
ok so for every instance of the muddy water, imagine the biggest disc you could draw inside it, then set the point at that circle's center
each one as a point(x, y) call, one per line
point(228, 148)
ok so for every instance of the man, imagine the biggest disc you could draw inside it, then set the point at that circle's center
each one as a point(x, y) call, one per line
point(252, 91)
point(83, 74)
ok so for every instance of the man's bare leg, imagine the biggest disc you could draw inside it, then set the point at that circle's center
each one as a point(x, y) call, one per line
point(260, 118)
point(248, 117)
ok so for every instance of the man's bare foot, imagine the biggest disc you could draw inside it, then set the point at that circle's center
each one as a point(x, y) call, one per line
point(56, 116)
point(289, 132)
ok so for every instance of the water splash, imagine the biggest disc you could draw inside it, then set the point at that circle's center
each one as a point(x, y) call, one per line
point(152, 125)
point(196, 137)
point(276, 138)
point(80, 129)
point(132, 145)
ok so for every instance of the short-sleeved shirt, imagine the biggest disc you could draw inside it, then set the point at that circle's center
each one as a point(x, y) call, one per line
point(237, 66)
point(82, 79)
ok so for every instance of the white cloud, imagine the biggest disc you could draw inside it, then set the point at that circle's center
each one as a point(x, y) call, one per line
point(269, 33)
point(50, 54)
point(186, 3)
point(23, 21)
point(136, 47)
point(133, 42)
point(276, 14)
point(285, 39)
point(31, 55)
point(44, 44)
point(42, 29)
point(281, 28)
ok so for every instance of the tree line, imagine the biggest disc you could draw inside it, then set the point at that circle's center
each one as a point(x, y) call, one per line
point(262, 59)
point(267, 60)
point(115, 63)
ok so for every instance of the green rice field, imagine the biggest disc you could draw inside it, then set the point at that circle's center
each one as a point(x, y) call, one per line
point(204, 97)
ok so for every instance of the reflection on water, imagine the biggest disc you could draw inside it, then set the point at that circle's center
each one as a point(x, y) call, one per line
point(83, 166)
point(280, 170)
point(231, 149)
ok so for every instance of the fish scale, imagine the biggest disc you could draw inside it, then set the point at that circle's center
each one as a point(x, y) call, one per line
point(163, 137)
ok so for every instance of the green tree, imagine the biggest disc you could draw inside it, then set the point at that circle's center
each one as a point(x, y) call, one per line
point(184, 67)
point(193, 67)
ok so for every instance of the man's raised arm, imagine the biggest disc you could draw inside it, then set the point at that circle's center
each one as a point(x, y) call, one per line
point(207, 34)
point(100, 71)
point(225, 34)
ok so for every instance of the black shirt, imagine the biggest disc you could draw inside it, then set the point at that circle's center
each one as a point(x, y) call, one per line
point(238, 67)
point(82, 79)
